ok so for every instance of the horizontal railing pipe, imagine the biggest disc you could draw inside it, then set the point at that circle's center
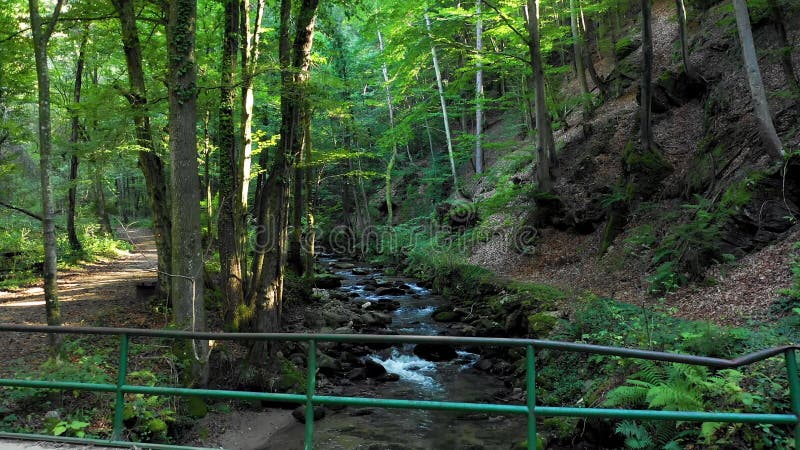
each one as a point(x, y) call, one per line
point(310, 399)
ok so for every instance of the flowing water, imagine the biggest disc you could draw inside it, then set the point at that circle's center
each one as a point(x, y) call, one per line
point(378, 428)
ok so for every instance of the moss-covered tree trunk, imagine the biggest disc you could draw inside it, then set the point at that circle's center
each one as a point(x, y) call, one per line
point(187, 262)
point(229, 187)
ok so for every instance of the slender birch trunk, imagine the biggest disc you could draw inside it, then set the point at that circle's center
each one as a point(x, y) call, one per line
point(446, 120)
point(478, 91)
point(393, 157)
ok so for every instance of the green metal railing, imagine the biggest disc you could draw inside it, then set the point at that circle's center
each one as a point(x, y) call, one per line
point(310, 399)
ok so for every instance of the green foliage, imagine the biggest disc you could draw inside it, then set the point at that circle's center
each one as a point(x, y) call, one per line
point(70, 428)
point(676, 387)
point(641, 240)
point(147, 417)
point(686, 250)
point(790, 297)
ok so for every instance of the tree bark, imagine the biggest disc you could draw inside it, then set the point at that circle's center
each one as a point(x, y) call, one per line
point(446, 120)
point(769, 136)
point(545, 147)
point(478, 91)
point(393, 156)
point(684, 35)
point(591, 40)
point(251, 36)
point(74, 138)
point(785, 50)
point(187, 262)
point(41, 37)
point(230, 191)
point(272, 235)
point(577, 46)
point(646, 120)
point(151, 164)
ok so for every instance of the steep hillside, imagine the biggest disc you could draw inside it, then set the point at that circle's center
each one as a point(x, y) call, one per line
point(721, 224)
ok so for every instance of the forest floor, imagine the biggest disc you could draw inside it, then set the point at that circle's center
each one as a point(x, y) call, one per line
point(99, 293)
point(104, 293)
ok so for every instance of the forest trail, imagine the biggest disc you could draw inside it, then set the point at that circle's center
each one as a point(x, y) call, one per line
point(101, 293)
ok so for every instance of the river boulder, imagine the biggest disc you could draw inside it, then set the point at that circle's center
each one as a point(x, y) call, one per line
point(300, 413)
point(389, 290)
point(435, 352)
point(327, 281)
point(373, 369)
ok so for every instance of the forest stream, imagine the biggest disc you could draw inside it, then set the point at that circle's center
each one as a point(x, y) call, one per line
point(455, 380)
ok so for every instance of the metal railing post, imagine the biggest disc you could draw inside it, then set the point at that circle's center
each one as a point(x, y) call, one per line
point(310, 388)
point(119, 402)
point(530, 383)
point(794, 391)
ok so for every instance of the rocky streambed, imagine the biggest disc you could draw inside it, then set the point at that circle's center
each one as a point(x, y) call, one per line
point(355, 298)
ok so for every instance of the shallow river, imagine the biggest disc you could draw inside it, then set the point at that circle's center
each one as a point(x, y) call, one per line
point(376, 428)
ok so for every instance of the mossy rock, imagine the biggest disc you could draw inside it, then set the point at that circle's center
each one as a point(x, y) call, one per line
point(291, 377)
point(561, 427)
point(524, 444)
point(196, 407)
point(156, 426)
point(327, 281)
point(626, 46)
point(644, 169)
point(541, 324)
point(447, 316)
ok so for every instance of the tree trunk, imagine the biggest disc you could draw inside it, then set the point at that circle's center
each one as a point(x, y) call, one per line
point(230, 192)
point(272, 235)
point(251, 36)
point(440, 87)
point(41, 37)
point(151, 164)
point(769, 136)
point(100, 201)
point(478, 91)
point(785, 50)
point(647, 79)
point(591, 41)
point(309, 252)
point(393, 157)
point(684, 34)
point(577, 46)
point(187, 262)
point(545, 147)
point(74, 138)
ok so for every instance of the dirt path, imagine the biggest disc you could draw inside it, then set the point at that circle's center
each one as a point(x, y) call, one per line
point(102, 293)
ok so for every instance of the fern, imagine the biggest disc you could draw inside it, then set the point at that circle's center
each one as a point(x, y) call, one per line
point(636, 435)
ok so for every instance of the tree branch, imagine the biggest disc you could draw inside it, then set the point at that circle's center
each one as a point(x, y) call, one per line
point(22, 210)
point(507, 20)
point(53, 20)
